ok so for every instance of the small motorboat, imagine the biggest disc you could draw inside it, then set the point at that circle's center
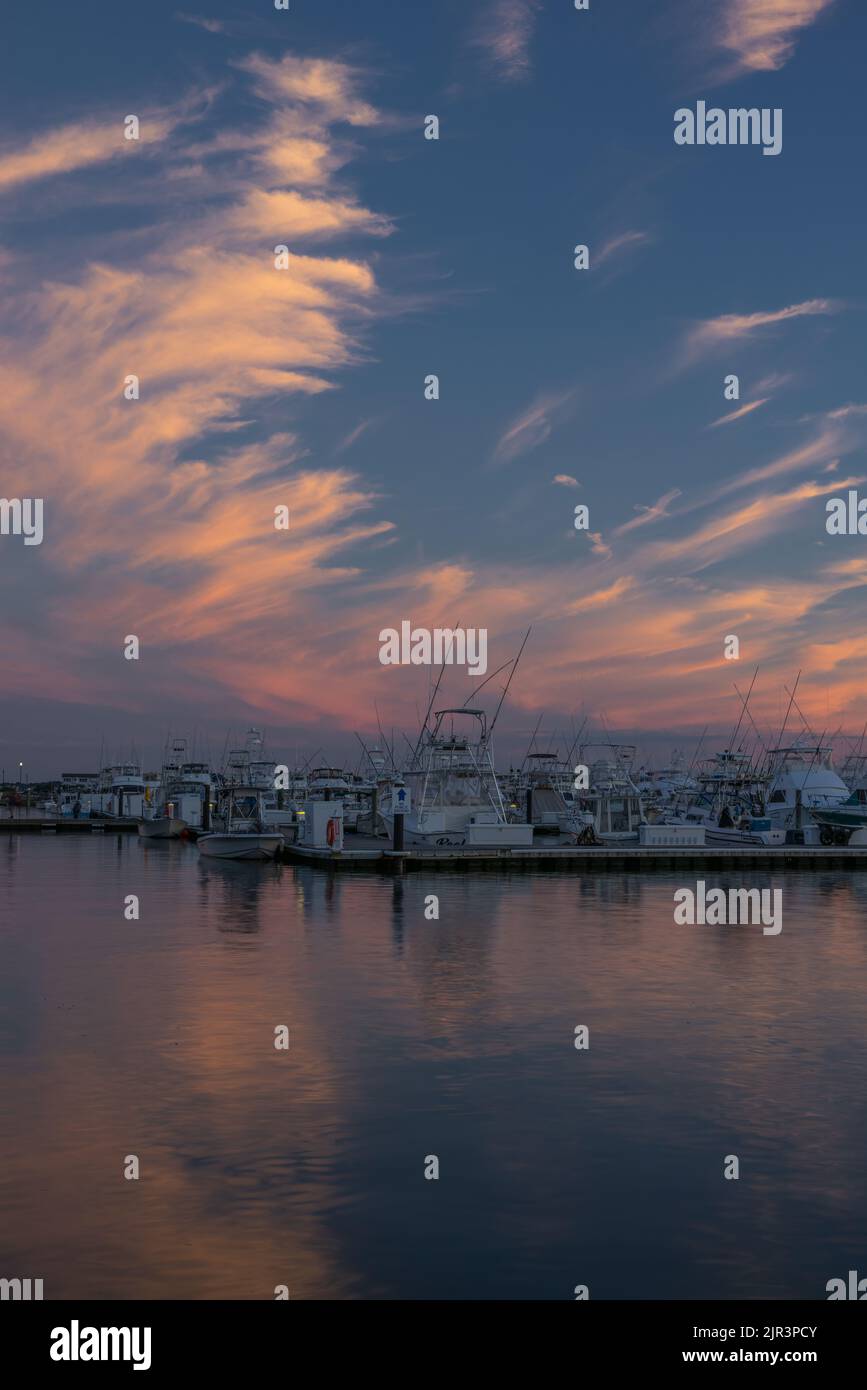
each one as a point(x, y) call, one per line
point(162, 828)
point(241, 832)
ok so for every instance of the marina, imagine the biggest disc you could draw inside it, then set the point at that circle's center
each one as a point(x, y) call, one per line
point(776, 803)
point(366, 852)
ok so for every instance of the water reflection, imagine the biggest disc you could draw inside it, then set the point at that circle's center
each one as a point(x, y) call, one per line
point(411, 1036)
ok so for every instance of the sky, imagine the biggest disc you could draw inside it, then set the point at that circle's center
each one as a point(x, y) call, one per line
point(408, 257)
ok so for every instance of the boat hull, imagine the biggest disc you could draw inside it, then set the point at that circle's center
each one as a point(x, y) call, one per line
point(225, 845)
point(718, 835)
point(841, 820)
point(162, 828)
point(502, 835)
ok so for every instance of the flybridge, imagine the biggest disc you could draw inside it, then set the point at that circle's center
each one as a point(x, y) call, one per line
point(736, 126)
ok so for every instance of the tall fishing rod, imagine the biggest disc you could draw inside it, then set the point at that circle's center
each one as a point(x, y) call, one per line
point(310, 759)
point(509, 682)
point(744, 704)
point(789, 710)
point(856, 757)
point(575, 741)
point(755, 726)
point(473, 693)
point(697, 751)
point(435, 689)
point(816, 751)
point(367, 751)
point(390, 750)
point(532, 738)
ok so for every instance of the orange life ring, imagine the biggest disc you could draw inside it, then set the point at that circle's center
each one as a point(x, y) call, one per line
point(331, 831)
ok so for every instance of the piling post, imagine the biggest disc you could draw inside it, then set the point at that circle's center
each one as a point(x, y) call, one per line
point(397, 843)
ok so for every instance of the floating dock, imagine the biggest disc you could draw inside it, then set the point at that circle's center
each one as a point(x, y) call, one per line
point(35, 825)
point(367, 852)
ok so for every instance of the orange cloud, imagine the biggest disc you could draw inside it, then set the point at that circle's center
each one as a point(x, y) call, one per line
point(739, 414)
point(761, 34)
point(713, 333)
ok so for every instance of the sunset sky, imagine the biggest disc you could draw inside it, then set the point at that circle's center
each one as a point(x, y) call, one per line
point(408, 257)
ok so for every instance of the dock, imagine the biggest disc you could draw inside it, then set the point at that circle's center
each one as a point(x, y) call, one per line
point(366, 852)
point(34, 824)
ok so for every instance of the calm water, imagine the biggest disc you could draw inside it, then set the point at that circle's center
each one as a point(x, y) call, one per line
point(411, 1038)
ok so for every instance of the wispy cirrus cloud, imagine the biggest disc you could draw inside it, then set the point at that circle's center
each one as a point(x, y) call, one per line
point(746, 409)
point(503, 35)
point(845, 412)
point(320, 86)
point(212, 26)
point(817, 450)
point(353, 436)
point(711, 334)
point(649, 514)
point(761, 35)
point(81, 144)
point(620, 245)
point(600, 598)
point(532, 427)
point(599, 545)
point(181, 546)
point(727, 533)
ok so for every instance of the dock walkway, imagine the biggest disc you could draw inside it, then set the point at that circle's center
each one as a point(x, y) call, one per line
point(365, 852)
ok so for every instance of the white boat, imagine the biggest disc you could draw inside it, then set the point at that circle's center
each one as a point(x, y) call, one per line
point(803, 781)
point(333, 784)
point(749, 830)
point(241, 832)
point(161, 817)
point(730, 803)
point(78, 789)
point(162, 828)
point(552, 808)
point(612, 809)
point(455, 797)
point(121, 792)
point(240, 845)
point(839, 822)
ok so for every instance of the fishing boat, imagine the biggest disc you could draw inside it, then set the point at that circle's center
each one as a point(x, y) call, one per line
point(611, 809)
point(78, 789)
point(455, 796)
point(730, 803)
point(240, 831)
point(121, 792)
point(803, 781)
point(838, 822)
point(160, 818)
point(333, 784)
point(162, 827)
point(546, 790)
